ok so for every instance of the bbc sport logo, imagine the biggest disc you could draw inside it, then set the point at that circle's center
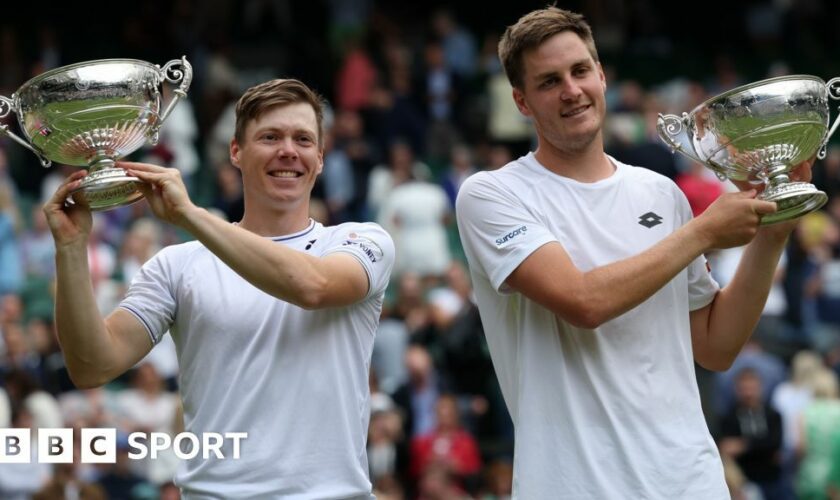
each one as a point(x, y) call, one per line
point(99, 446)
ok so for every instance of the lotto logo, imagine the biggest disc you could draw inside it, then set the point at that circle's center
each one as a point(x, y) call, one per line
point(99, 446)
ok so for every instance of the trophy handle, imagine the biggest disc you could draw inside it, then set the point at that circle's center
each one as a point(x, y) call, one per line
point(176, 71)
point(672, 129)
point(833, 86)
point(7, 106)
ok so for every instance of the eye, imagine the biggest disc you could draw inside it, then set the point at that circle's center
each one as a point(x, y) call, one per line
point(581, 71)
point(549, 82)
point(305, 139)
point(268, 136)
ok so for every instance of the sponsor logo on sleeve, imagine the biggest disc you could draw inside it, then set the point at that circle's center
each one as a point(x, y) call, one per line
point(368, 247)
point(504, 239)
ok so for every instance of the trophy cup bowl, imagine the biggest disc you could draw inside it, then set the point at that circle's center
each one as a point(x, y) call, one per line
point(758, 133)
point(90, 114)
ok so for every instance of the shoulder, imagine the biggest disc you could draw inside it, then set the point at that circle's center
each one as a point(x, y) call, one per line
point(646, 177)
point(365, 235)
point(175, 259)
point(353, 229)
point(505, 182)
point(644, 174)
point(180, 251)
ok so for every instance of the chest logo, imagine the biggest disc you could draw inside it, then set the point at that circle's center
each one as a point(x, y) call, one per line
point(650, 219)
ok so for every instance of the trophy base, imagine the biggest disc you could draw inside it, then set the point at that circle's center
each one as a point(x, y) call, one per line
point(108, 188)
point(793, 199)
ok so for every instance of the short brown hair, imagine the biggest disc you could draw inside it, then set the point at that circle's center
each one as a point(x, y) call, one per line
point(279, 92)
point(531, 30)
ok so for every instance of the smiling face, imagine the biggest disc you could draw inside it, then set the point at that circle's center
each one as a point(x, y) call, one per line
point(279, 157)
point(563, 91)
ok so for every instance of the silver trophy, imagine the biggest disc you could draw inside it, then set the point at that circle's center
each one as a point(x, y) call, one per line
point(90, 114)
point(758, 133)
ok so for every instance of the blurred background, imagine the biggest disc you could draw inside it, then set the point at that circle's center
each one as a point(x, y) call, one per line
point(418, 102)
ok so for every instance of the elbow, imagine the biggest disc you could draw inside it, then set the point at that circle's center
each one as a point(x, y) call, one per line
point(310, 301)
point(313, 296)
point(715, 363)
point(86, 379)
point(584, 321)
point(718, 367)
point(84, 382)
point(584, 315)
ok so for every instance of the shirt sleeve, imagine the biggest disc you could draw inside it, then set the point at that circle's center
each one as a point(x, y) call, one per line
point(702, 288)
point(151, 298)
point(372, 246)
point(497, 229)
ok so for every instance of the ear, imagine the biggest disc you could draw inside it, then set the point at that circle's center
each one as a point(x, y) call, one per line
point(519, 99)
point(320, 161)
point(235, 151)
point(602, 76)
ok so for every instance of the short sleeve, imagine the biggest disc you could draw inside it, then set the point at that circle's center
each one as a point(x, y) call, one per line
point(151, 298)
point(372, 246)
point(497, 230)
point(702, 288)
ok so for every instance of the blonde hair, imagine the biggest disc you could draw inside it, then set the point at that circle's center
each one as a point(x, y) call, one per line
point(279, 92)
point(825, 384)
point(804, 366)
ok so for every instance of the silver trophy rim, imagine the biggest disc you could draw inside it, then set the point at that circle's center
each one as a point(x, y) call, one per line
point(95, 62)
point(760, 83)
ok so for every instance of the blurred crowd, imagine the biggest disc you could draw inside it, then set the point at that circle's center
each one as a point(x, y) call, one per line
point(414, 109)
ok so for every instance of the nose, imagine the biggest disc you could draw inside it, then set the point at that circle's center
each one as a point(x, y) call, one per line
point(286, 148)
point(570, 90)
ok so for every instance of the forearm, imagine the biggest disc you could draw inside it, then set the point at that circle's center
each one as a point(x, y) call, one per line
point(616, 288)
point(81, 330)
point(292, 276)
point(737, 308)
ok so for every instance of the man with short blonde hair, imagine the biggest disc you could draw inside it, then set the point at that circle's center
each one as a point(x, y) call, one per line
point(273, 317)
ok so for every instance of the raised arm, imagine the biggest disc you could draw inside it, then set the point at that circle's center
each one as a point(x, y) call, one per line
point(95, 349)
point(720, 330)
point(307, 281)
point(589, 299)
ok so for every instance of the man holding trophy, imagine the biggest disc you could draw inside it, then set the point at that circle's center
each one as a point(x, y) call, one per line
point(273, 317)
point(595, 296)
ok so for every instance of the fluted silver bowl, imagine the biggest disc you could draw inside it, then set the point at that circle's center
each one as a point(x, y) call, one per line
point(758, 133)
point(90, 114)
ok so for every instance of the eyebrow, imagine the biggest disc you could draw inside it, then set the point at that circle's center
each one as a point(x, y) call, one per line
point(295, 129)
point(576, 64)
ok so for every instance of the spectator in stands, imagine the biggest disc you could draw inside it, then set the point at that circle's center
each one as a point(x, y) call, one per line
point(11, 263)
point(416, 214)
point(402, 167)
point(819, 430)
point(418, 396)
point(447, 444)
point(751, 434)
point(461, 166)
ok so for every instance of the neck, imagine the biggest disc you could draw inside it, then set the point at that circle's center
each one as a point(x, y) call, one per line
point(277, 222)
point(587, 165)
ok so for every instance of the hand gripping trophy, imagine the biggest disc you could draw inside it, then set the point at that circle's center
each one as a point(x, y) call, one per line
point(90, 114)
point(758, 133)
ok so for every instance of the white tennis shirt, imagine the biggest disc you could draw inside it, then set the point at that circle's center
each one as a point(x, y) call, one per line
point(295, 380)
point(610, 413)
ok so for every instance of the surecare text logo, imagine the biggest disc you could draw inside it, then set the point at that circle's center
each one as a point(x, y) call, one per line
point(502, 240)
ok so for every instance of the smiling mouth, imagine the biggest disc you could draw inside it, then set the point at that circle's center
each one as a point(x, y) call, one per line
point(285, 174)
point(575, 111)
